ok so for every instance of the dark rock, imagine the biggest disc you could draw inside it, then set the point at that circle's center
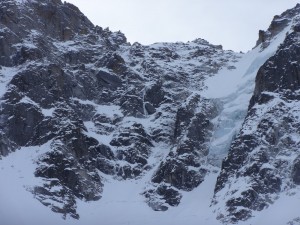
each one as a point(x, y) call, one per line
point(172, 196)
point(107, 79)
point(43, 194)
point(150, 108)
point(164, 53)
point(132, 106)
point(296, 171)
point(6, 145)
point(178, 175)
point(27, 53)
point(261, 37)
point(22, 126)
point(114, 62)
point(133, 145)
point(71, 177)
point(137, 50)
point(182, 167)
point(279, 23)
point(166, 194)
point(155, 94)
point(296, 28)
point(271, 78)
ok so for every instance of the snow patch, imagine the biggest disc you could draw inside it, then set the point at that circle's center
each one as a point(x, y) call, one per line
point(234, 89)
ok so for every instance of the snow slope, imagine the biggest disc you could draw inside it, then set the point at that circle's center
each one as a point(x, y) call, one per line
point(121, 204)
point(17, 180)
point(233, 90)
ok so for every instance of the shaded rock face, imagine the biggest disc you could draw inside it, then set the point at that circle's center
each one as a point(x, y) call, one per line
point(264, 157)
point(278, 24)
point(155, 95)
point(280, 73)
point(133, 146)
point(191, 132)
point(184, 167)
point(97, 105)
point(50, 18)
point(296, 171)
point(40, 106)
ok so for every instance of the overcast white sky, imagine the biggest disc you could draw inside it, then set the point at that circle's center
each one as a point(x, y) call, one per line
point(232, 23)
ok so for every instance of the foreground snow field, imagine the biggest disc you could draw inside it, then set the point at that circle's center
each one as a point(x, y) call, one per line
point(121, 203)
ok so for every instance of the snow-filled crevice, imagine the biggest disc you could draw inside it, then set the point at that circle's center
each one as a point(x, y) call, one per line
point(232, 89)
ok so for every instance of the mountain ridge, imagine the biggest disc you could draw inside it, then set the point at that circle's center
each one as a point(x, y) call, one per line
point(97, 111)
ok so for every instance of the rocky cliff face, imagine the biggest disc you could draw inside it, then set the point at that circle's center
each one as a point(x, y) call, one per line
point(97, 106)
point(103, 105)
point(263, 159)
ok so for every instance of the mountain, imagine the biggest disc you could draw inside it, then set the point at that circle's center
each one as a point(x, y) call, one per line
point(264, 156)
point(95, 129)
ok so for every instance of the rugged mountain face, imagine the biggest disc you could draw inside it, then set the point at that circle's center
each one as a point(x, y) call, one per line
point(263, 159)
point(96, 107)
point(102, 105)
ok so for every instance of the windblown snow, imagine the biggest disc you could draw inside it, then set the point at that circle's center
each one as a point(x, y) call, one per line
point(233, 89)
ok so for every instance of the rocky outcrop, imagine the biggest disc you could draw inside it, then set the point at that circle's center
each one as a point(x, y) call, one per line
point(133, 145)
point(184, 167)
point(101, 105)
point(263, 158)
point(278, 24)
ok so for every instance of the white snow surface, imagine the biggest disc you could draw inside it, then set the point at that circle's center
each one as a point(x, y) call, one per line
point(17, 179)
point(121, 203)
point(6, 74)
point(233, 89)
